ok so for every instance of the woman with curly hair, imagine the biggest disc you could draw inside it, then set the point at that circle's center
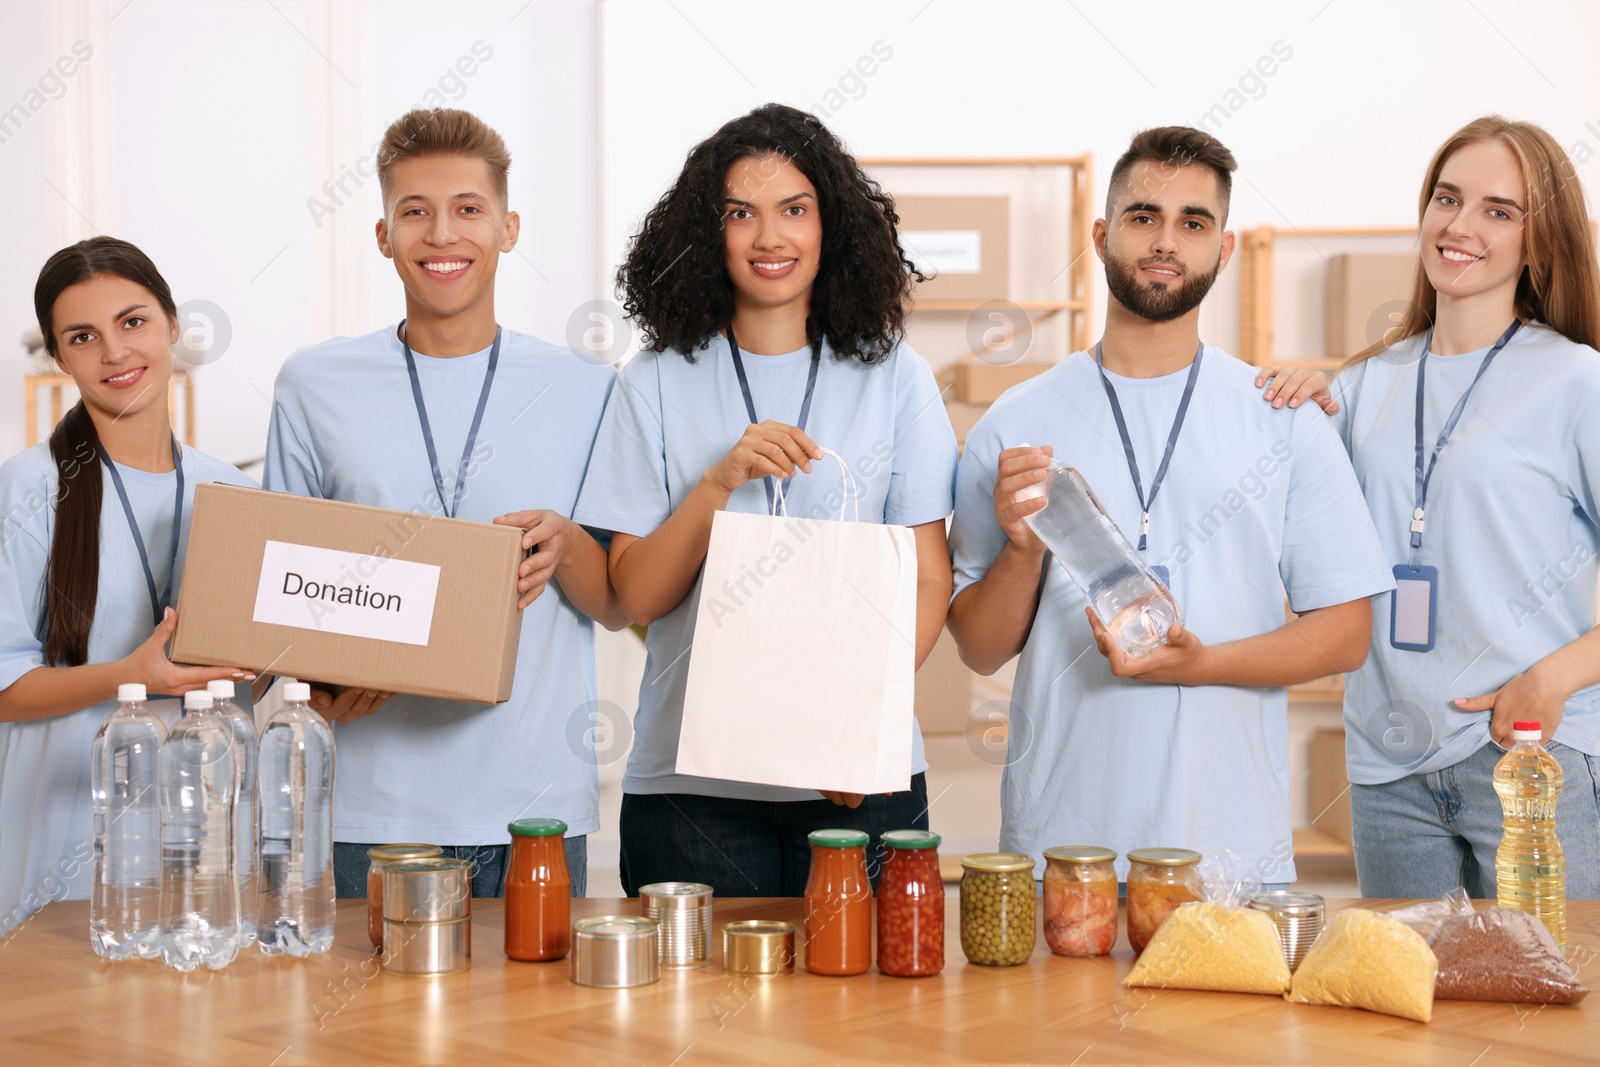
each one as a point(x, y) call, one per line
point(770, 288)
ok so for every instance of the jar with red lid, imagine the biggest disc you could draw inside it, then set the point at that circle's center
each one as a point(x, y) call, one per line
point(838, 904)
point(380, 858)
point(910, 905)
point(538, 891)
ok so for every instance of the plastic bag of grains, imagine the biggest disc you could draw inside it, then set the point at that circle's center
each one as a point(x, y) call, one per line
point(1367, 960)
point(1207, 945)
point(1502, 954)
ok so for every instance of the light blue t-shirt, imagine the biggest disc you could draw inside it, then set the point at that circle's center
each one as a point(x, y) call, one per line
point(345, 427)
point(1510, 524)
point(670, 419)
point(1255, 502)
point(46, 811)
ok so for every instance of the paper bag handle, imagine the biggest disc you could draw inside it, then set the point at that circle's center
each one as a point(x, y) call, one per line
point(852, 491)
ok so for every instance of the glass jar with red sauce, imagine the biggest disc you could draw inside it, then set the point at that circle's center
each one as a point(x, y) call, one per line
point(380, 857)
point(910, 905)
point(838, 904)
point(538, 891)
point(1160, 880)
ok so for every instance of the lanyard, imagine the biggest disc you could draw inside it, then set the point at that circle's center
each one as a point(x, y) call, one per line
point(454, 505)
point(158, 601)
point(1127, 443)
point(1422, 478)
point(750, 404)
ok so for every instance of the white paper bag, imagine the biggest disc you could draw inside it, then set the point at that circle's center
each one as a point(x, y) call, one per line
point(804, 648)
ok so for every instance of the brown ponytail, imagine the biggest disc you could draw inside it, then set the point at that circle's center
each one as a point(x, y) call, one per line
point(73, 575)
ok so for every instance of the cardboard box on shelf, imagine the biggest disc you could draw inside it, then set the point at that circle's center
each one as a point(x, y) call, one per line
point(964, 242)
point(1329, 793)
point(972, 381)
point(1366, 295)
point(350, 595)
point(963, 417)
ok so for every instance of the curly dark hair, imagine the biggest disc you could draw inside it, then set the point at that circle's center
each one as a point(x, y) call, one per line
point(674, 282)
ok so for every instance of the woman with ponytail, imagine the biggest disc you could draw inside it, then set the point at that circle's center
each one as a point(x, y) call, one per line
point(1475, 432)
point(92, 532)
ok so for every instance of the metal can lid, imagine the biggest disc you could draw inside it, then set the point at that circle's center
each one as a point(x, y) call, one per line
point(837, 838)
point(1165, 857)
point(615, 927)
point(997, 862)
point(675, 895)
point(1080, 854)
point(1282, 902)
point(910, 839)
point(402, 852)
point(758, 928)
point(536, 827)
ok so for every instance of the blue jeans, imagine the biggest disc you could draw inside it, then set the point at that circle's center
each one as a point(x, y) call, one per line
point(749, 848)
point(489, 863)
point(1426, 834)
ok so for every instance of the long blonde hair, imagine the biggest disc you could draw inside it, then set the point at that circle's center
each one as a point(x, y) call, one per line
point(1560, 284)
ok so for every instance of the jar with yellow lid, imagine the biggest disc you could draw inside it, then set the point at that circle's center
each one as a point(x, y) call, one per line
point(380, 858)
point(1160, 880)
point(1080, 900)
point(998, 917)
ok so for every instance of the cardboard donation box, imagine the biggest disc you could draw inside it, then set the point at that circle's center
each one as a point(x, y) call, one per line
point(1366, 294)
point(350, 595)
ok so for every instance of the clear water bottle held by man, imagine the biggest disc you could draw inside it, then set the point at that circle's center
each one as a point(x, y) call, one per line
point(1132, 604)
point(296, 812)
point(245, 753)
point(199, 896)
point(1529, 866)
point(125, 904)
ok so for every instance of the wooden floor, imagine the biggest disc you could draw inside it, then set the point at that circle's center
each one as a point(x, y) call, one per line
point(61, 1005)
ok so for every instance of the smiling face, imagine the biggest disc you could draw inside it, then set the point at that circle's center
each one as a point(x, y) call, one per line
point(113, 337)
point(772, 232)
point(445, 229)
point(1472, 229)
point(1164, 243)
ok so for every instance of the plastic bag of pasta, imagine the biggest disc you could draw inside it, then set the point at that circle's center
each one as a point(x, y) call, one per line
point(1207, 945)
point(1371, 961)
point(1502, 954)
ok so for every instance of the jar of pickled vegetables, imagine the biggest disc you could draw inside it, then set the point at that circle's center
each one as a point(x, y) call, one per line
point(1159, 881)
point(838, 904)
point(910, 905)
point(998, 917)
point(1080, 900)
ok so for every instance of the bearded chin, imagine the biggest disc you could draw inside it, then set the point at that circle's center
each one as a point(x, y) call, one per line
point(1160, 302)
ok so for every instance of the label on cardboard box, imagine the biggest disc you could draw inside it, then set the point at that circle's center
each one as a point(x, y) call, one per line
point(347, 593)
point(946, 251)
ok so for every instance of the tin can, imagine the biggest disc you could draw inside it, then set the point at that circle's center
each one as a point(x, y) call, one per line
point(615, 951)
point(684, 911)
point(427, 917)
point(1298, 917)
point(761, 948)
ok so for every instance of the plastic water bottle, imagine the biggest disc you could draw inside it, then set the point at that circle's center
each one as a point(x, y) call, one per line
point(199, 896)
point(125, 907)
point(296, 776)
point(1132, 604)
point(1529, 865)
point(245, 754)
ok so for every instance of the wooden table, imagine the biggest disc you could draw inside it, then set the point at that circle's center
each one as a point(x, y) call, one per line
point(60, 1004)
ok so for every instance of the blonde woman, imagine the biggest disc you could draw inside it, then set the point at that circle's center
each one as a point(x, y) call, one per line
point(1476, 438)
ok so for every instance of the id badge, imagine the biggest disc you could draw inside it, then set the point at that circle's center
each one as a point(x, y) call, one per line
point(1414, 610)
point(1162, 575)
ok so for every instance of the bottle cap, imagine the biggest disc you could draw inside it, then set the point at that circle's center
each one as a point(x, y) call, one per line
point(129, 692)
point(297, 692)
point(1526, 730)
point(837, 838)
point(197, 698)
point(221, 688)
